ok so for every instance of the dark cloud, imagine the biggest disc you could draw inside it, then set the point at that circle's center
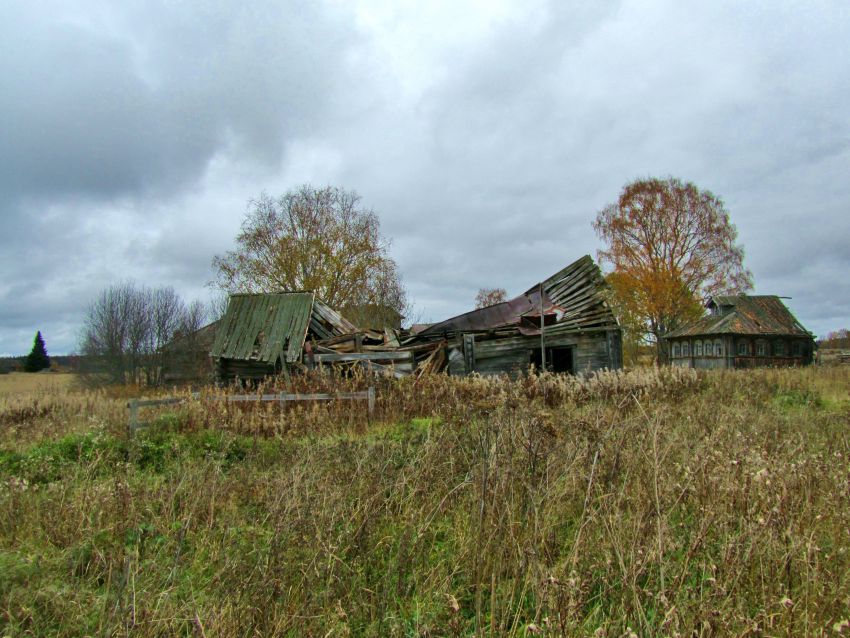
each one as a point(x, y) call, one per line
point(114, 115)
point(485, 135)
point(121, 104)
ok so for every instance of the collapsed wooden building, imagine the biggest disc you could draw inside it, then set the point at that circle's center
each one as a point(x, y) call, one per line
point(261, 335)
point(562, 324)
point(265, 334)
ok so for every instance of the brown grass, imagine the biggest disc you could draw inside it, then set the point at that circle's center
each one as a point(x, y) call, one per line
point(655, 502)
point(18, 383)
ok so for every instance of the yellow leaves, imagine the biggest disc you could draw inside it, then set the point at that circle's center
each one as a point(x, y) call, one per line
point(669, 244)
point(320, 240)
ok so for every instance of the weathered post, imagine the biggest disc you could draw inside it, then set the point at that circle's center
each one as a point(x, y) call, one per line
point(370, 396)
point(133, 421)
point(542, 338)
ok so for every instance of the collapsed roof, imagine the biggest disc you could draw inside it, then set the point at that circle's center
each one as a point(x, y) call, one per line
point(265, 327)
point(571, 300)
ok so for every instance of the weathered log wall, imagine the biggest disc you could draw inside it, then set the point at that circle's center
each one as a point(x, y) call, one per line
point(592, 351)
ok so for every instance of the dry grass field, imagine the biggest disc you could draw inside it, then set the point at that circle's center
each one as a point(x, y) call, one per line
point(18, 383)
point(643, 503)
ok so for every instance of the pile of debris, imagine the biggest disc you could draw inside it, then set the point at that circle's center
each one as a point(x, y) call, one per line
point(379, 352)
point(280, 333)
point(562, 324)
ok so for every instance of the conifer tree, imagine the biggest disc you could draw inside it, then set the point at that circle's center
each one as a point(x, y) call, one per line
point(37, 359)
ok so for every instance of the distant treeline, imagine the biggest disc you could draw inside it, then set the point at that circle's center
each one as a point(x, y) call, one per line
point(836, 339)
point(69, 362)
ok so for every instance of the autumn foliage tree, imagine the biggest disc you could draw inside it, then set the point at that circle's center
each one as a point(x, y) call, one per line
point(321, 240)
point(670, 246)
point(490, 297)
point(836, 339)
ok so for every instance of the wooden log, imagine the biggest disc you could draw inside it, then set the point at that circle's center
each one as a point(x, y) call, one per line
point(337, 340)
point(364, 356)
point(394, 371)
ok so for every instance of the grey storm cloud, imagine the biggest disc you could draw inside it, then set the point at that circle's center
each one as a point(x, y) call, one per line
point(485, 134)
point(112, 114)
point(112, 105)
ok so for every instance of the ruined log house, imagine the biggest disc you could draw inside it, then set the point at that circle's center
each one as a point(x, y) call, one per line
point(565, 316)
point(264, 334)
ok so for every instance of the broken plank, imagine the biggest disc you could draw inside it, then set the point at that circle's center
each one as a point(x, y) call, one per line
point(364, 356)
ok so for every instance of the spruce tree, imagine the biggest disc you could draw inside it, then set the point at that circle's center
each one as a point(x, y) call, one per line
point(37, 359)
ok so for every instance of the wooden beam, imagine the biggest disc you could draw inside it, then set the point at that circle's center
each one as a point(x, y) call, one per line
point(364, 356)
point(134, 424)
point(395, 371)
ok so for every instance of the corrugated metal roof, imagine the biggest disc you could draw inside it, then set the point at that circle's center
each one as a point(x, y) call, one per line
point(264, 327)
point(572, 300)
point(747, 315)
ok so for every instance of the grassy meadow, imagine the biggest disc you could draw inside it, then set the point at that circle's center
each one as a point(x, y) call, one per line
point(655, 502)
point(21, 383)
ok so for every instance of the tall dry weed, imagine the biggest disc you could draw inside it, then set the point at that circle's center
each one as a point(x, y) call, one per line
point(648, 502)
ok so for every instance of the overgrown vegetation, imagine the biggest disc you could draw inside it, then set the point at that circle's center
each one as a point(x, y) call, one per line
point(654, 502)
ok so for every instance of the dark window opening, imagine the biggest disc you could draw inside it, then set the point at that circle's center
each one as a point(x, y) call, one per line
point(561, 360)
point(558, 359)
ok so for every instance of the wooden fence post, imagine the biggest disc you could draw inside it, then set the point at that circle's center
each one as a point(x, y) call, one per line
point(370, 397)
point(133, 421)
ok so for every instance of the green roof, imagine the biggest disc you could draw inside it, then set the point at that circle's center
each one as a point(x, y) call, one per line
point(264, 327)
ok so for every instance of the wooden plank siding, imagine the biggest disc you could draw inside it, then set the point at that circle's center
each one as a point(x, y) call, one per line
point(593, 350)
point(264, 334)
point(732, 357)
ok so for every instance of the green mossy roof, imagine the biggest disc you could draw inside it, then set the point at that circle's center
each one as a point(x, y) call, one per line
point(264, 327)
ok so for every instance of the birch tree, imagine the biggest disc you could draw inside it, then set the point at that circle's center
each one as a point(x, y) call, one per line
point(670, 246)
point(322, 240)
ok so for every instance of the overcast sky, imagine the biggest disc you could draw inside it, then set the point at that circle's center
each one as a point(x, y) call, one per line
point(485, 134)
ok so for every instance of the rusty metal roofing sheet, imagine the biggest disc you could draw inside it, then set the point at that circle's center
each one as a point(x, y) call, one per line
point(744, 314)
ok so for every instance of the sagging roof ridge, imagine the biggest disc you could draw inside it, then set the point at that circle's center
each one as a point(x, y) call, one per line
point(281, 292)
point(751, 315)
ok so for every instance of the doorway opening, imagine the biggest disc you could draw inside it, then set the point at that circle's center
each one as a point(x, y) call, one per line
point(558, 359)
